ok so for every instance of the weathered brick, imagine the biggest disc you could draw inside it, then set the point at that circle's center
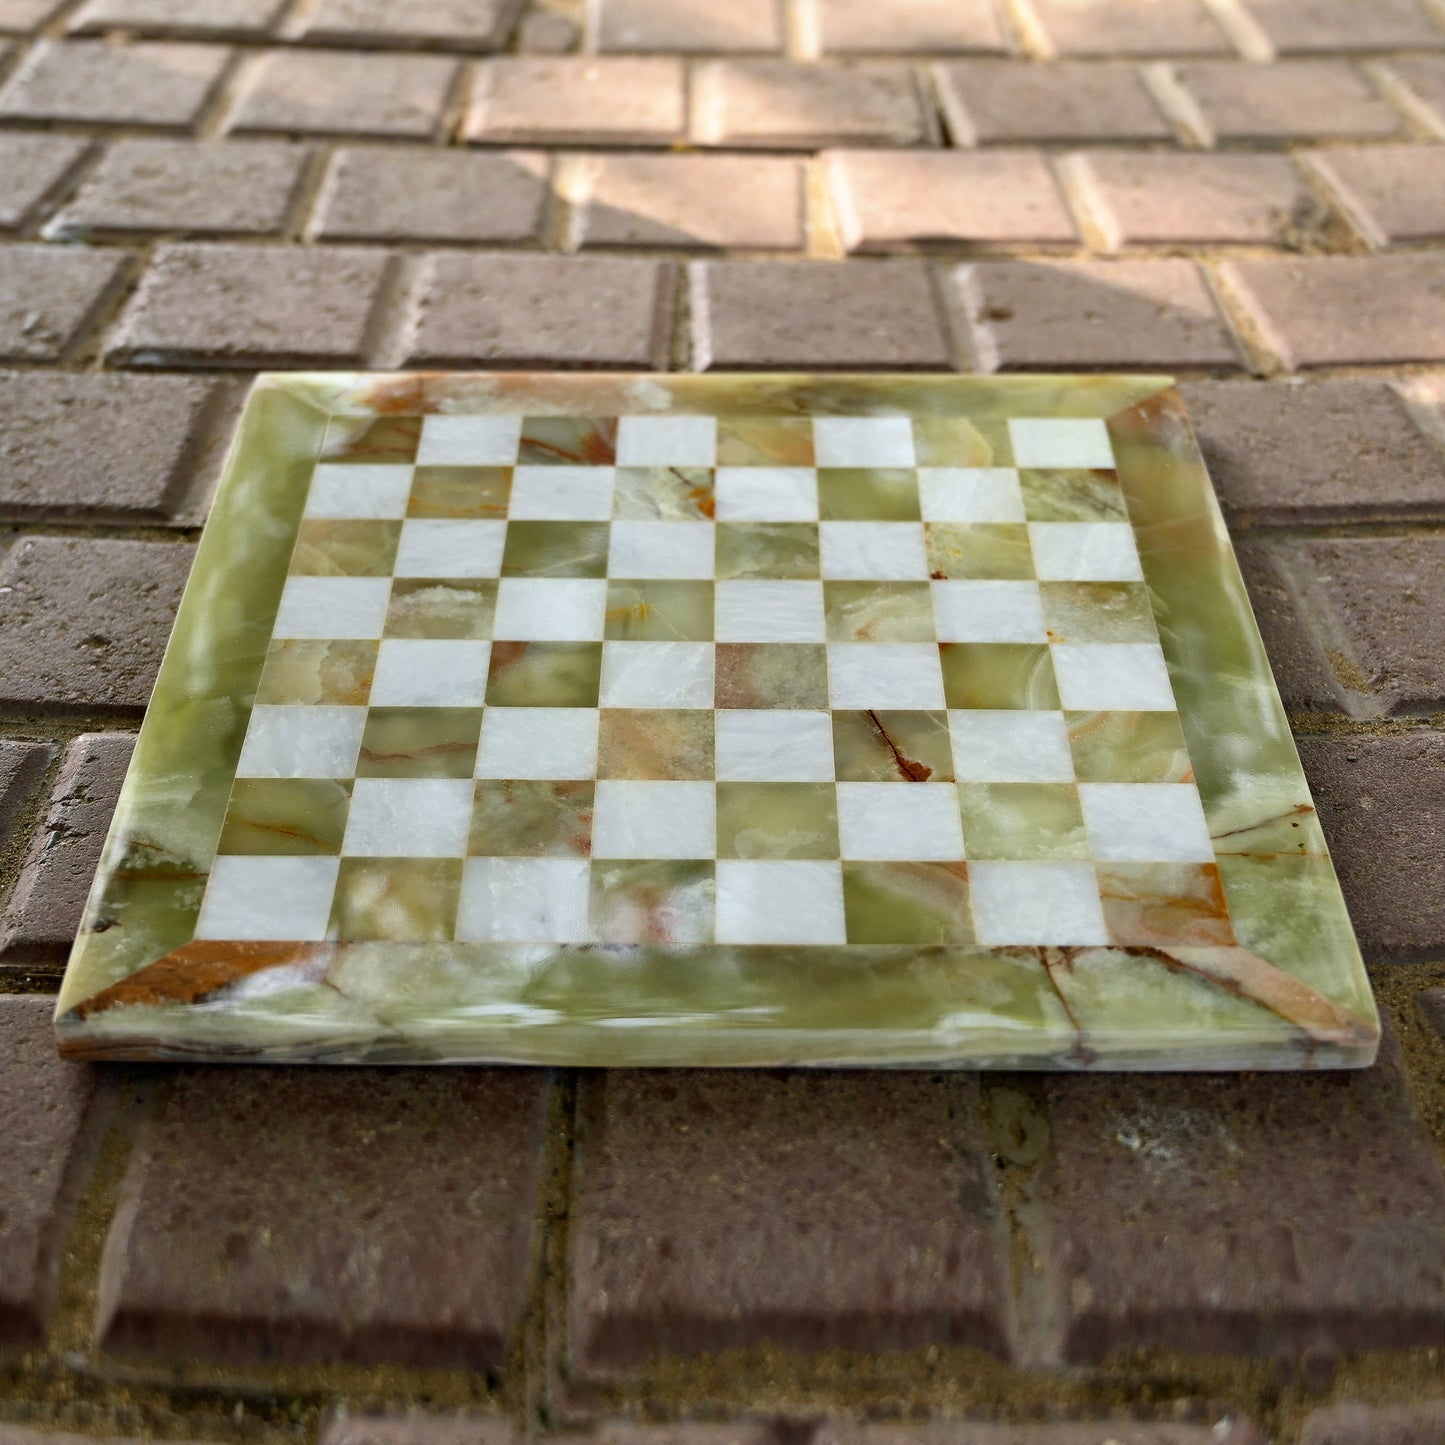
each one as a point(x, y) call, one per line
point(183, 187)
point(1303, 26)
point(251, 306)
point(889, 201)
point(814, 1211)
point(17, 1435)
point(154, 428)
point(184, 19)
point(21, 764)
point(474, 25)
point(386, 193)
point(991, 102)
point(547, 32)
point(523, 310)
point(1425, 77)
point(1294, 100)
point(45, 909)
point(416, 1429)
point(1431, 1005)
point(850, 316)
point(689, 26)
point(339, 92)
point(23, 16)
point(1328, 451)
point(1382, 803)
point(1154, 198)
point(1421, 1423)
point(1346, 310)
point(87, 82)
point(1391, 193)
point(578, 100)
point(1124, 27)
point(32, 167)
point(48, 296)
point(48, 1116)
point(1300, 673)
point(777, 105)
point(307, 1214)
point(1225, 1430)
point(911, 26)
point(699, 201)
point(83, 622)
point(1051, 315)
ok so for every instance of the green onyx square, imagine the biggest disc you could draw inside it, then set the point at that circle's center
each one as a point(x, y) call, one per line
point(427, 607)
point(388, 440)
point(476, 493)
point(305, 670)
point(326, 548)
point(544, 674)
point(919, 903)
point(568, 441)
point(656, 743)
point(530, 819)
point(998, 675)
point(1098, 612)
point(868, 494)
point(1024, 821)
point(777, 820)
point(771, 674)
point(663, 494)
point(300, 817)
point(652, 900)
point(420, 742)
point(1072, 496)
point(979, 551)
point(878, 611)
point(1128, 747)
point(892, 747)
point(555, 549)
point(765, 441)
point(960, 441)
point(659, 612)
point(396, 900)
point(775, 551)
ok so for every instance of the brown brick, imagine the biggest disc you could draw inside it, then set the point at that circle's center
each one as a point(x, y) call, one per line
point(21, 764)
point(1154, 198)
point(541, 310)
point(1346, 310)
point(1305, 26)
point(1124, 27)
point(415, 1429)
point(87, 82)
point(338, 92)
point(474, 25)
point(1431, 1005)
point(911, 26)
point(1390, 193)
point(23, 16)
point(894, 200)
point(778, 105)
point(251, 306)
point(51, 469)
point(578, 100)
point(1300, 673)
point(1421, 1423)
point(690, 26)
point(83, 622)
point(547, 32)
point(1326, 452)
point(811, 1210)
point(1225, 1430)
point(48, 296)
point(1425, 77)
point(856, 315)
point(1292, 101)
point(1382, 803)
point(389, 194)
point(45, 909)
point(17, 1435)
point(309, 1214)
point(237, 188)
point(709, 202)
point(184, 19)
point(47, 1118)
point(32, 168)
point(1059, 314)
point(998, 102)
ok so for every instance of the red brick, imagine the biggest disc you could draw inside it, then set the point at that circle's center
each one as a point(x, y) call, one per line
point(49, 296)
point(1346, 310)
point(578, 100)
point(1059, 314)
point(390, 194)
point(851, 316)
point(310, 1214)
point(1292, 101)
point(338, 92)
point(689, 26)
point(1390, 193)
point(1305, 26)
point(777, 105)
point(24, 16)
point(1331, 451)
point(184, 19)
point(999, 102)
point(83, 622)
point(87, 82)
point(1382, 803)
point(911, 26)
point(48, 1119)
point(1422, 1423)
point(1301, 674)
point(45, 909)
point(889, 201)
point(251, 306)
point(1425, 77)
point(474, 25)
point(709, 202)
point(483, 310)
point(32, 169)
point(811, 1210)
point(1124, 27)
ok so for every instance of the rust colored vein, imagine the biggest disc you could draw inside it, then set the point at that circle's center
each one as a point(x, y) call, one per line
point(1299, 810)
point(1050, 958)
point(909, 770)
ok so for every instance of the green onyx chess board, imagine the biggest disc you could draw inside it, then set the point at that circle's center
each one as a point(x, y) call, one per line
point(745, 721)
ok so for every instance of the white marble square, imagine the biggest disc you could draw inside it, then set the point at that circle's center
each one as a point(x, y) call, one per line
point(1010, 747)
point(1084, 552)
point(302, 742)
point(272, 899)
point(422, 672)
point(569, 494)
point(450, 547)
point(970, 494)
point(469, 441)
point(662, 549)
point(1061, 442)
point(1024, 904)
point(872, 551)
point(667, 441)
point(779, 901)
point(654, 820)
point(551, 609)
point(907, 821)
point(863, 441)
point(538, 742)
point(884, 674)
point(988, 612)
point(1113, 677)
point(774, 746)
point(339, 608)
point(524, 900)
point(769, 612)
point(657, 674)
point(408, 818)
point(1146, 823)
point(350, 491)
point(766, 494)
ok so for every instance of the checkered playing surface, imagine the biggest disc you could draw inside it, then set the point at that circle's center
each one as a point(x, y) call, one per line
point(690, 680)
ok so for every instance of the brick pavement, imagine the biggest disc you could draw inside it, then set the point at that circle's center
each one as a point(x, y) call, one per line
point(1245, 191)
